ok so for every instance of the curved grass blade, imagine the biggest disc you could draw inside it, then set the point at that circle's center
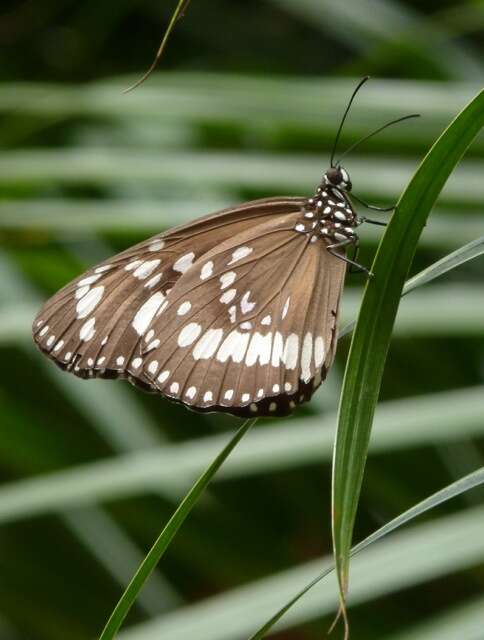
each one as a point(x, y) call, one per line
point(158, 549)
point(369, 347)
point(453, 490)
point(177, 14)
point(455, 259)
point(468, 252)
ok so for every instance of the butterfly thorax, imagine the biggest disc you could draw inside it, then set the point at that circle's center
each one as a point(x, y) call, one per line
point(328, 216)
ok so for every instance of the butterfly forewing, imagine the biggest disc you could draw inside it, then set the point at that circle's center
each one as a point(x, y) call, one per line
point(249, 328)
point(95, 325)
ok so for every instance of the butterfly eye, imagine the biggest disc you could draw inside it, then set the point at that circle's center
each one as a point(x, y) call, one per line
point(338, 177)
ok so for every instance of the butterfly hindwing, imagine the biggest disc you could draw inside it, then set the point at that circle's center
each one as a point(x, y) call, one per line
point(250, 327)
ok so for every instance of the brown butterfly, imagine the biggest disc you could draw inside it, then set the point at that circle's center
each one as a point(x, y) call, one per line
point(235, 312)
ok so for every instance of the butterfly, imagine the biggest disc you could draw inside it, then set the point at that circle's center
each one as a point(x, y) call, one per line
point(234, 312)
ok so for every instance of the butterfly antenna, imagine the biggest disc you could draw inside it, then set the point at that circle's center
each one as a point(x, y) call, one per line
point(373, 133)
point(348, 107)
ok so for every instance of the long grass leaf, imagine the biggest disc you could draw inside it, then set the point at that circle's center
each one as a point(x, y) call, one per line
point(219, 170)
point(399, 425)
point(470, 251)
point(81, 218)
point(366, 359)
point(415, 556)
point(455, 259)
point(166, 536)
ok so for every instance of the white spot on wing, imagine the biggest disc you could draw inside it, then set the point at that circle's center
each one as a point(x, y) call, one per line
point(120, 361)
point(146, 313)
point(207, 270)
point(245, 397)
point(103, 268)
point(259, 349)
point(146, 269)
point(245, 304)
point(266, 320)
point(88, 280)
point(136, 363)
point(277, 349)
point(286, 307)
point(184, 263)
point(189, 334)
point(133, 265)
point(208, 396)
point(44, 331)
point(59, 345)
point(153, 345)
point(87, 330)
point(228, 296)
point(89, 302)
point(162, 308)
point(307, 352)
point(174, 387)
point(156, 245)
point(228, 395)
point(153, 367)
point(234, 346)
point(291, 351)
point(81, 292)
point(163, 376)
point(318, 351)
point(191, 392)
point(153, 281)
point(208, 344)
point(241, 252)
point(227, 279)
point(184, 308)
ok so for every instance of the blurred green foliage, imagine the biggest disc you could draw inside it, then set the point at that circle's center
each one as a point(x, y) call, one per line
point(245, 104)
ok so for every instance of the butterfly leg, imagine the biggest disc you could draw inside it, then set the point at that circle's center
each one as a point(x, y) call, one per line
point(365, 219)
point(372, 206)
point(355, 267)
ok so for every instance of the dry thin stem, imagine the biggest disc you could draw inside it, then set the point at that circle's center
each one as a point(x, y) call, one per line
point(341, 612)
point(178, 13)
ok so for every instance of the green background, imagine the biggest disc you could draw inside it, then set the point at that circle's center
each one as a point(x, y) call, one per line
point(245, 104)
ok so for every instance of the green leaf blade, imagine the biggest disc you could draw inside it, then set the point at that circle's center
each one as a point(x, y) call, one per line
point(166, 536)
point(368, 351)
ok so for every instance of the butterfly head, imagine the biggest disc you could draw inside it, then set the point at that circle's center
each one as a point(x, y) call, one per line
point(337, 177)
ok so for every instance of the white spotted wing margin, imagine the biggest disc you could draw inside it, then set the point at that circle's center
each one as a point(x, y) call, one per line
point(100, 324)
point(250, 327)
